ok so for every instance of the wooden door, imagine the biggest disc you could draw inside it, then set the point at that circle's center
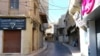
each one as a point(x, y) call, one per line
point(12, 41)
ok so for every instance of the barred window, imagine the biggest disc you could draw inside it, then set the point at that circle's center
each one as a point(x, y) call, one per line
point(14, 4)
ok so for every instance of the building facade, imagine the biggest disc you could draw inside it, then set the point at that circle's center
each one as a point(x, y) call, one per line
point(91, 16)
point(43, 10)
point(87, 19)
point(72, 31)
point(44, 6)
point(20, 26)
point(56, 32)
point(61, 29)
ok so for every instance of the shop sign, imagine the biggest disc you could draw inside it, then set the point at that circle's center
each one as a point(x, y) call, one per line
point(12, 24)
point(78, 20)
point(87, 6)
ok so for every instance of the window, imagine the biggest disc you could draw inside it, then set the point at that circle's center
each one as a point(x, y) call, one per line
point(35, 8)
point(14, 4)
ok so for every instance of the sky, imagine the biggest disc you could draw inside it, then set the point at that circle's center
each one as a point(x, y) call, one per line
point(56, 9)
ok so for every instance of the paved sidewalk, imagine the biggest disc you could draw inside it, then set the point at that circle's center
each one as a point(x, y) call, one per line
point(32, 54)
point(40, 50)
point(75, 51)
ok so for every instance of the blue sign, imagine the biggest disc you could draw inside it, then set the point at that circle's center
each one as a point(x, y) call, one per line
point(12, 23)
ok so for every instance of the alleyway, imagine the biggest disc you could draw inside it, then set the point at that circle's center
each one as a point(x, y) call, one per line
point(55, 49)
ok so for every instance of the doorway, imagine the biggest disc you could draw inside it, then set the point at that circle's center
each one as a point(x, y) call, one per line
point(12, 41)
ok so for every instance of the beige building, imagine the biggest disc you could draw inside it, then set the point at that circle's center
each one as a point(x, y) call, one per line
point(72, 29)
point(20, 26)
point(44, 6)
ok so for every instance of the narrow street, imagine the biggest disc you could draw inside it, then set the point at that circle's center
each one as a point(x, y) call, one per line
point(49, 27)
point(55, 49)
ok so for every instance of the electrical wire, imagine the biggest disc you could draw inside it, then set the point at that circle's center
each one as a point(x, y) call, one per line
point(55, 5)
point(29, 7)
point(61, 8)
point(48, 9)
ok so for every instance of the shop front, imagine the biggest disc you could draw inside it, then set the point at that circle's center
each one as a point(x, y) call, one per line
point(11, 34)
point(91, 15)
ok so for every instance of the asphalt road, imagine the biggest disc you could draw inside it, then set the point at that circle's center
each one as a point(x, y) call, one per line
point(55, 49)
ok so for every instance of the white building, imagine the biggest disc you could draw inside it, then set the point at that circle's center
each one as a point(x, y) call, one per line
point(61, 23)
point(50, 29)
point(62, 29)
point(89, 26)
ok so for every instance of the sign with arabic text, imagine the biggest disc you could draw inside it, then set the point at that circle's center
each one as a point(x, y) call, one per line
point(12, 24)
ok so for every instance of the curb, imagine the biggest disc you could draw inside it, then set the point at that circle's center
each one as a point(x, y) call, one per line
point(74, 50)
point(34, 53)
point(40, 50)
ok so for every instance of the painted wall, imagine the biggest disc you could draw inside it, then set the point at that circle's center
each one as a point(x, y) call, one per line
point(26, 36)
point(88, 40)
point(83, 42)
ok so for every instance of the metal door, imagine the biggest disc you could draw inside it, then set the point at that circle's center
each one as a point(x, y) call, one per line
point(12, 41)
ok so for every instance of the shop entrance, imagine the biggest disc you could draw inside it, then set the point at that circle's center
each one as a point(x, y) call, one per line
point(97, 24)
point(12, 41)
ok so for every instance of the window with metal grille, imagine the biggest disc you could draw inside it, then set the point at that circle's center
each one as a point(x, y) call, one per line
point(14, 4)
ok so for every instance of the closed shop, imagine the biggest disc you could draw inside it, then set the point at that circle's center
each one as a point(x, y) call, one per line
point(12, 41)
point(12, 28)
